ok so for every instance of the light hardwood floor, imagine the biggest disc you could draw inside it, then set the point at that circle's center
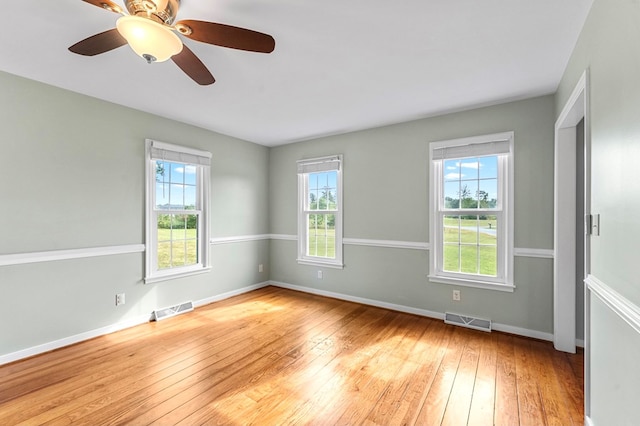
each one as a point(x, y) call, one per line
point(275, 356)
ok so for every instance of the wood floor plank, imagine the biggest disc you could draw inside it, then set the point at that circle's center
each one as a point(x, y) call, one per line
point(389, 402)
point(437, 397)
point(459, 403)
point(276, 356)
point(530, 407)
point(484, 390)
point(506, 394)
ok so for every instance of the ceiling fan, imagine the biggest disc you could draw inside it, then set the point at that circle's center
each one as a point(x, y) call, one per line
point(149, 30)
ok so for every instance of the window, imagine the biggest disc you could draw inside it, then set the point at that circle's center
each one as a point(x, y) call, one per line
point(320, 211)
point(472, 220)
point(177, 231)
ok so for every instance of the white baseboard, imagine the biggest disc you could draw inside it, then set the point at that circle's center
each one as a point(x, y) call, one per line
point(362, 300)
point(588, 421)
point(410, 310)
point(56, 344)
point(229, 294)
point(525, 332)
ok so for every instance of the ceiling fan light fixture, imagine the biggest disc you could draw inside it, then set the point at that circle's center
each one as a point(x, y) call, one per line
point(152, 41)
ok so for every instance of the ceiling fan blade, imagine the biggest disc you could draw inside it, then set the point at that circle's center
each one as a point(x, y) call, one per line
point(105, 4)
point(99, 43)
point(226, 36)
point(193, 67)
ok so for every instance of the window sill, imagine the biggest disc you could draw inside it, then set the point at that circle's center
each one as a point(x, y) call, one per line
point(310, 262)
point(184, 273)
point(487, 285)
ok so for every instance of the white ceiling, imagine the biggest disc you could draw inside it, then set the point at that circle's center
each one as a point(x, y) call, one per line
point(338, 65)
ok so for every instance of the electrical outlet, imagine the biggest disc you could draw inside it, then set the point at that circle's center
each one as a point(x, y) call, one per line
point(456, 295)
point(319, 275)
point(260, 268)
point(119, 299)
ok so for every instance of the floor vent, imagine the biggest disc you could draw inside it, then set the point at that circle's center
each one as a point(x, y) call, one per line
point(469, 322)
point(172, 311)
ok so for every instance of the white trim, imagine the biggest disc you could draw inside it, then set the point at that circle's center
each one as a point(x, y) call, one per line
point(178, 273)
point(588, 421)
point(531, 252)
point(54, 255)
point(46, 347)
point(320, 263)
point(229, 294)
point(621, 306)
point(285, 237)
point(525, 332)
point(415, 245)
point(564, 219)
point(475, 283)
point(238, 239)
point(362, 300)
point(410, 310)
point(141, 319)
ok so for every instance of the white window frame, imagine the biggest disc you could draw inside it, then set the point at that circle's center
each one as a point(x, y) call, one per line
point(306, 167)
point(473, 147)
point(156, 150)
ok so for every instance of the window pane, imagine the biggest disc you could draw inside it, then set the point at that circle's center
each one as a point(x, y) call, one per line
point(488, 193)
point(488, 260)
point(162, 195)
point(451, 229)
point(469, 194)
point(162, 174)
point(469, 259)
point(176, 197)
point(451, 170)
point(164, 227)
point(469, 168)
point(452, 195)
point(189, 197)
point(451, 258)
point(313, 181)
point(177, 173)
point(469, 230)
point(190, 173)
point(164, 255)
point(488, 167)
point(178, 253)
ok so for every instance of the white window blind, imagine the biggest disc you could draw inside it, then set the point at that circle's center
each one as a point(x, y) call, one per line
point(472, 150)
point(319, 165)
point(179, 154)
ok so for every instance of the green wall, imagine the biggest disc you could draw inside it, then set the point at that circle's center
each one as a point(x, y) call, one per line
point(72, 177)
point(609, 47)
point(386, 198)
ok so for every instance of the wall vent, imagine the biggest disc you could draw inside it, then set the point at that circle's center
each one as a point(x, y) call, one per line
point(172, 311)
point(469, 322)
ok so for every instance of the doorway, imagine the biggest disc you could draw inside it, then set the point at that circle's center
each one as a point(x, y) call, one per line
point(572, 204)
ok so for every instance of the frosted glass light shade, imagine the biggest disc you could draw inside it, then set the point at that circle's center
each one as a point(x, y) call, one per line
point(148, 38)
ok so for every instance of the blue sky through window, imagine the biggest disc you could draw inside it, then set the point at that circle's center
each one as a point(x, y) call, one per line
point(475, 178)
point(175, 185)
